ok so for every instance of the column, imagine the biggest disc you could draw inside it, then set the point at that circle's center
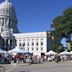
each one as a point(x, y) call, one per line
point(4, 21)
point(7, 22)
point(1, 21)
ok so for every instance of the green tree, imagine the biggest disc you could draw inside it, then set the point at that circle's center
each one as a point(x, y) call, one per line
point(56, 40)
point(63, 27)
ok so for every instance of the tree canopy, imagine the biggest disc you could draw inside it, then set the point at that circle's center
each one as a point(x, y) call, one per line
point(63, 26)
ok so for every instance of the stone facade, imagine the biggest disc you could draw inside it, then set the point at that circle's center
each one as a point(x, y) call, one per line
point(34, 42)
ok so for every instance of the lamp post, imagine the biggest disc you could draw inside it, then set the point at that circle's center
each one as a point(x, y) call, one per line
point(52, 41)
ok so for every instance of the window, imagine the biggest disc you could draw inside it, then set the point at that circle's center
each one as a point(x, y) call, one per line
point(23, 44)
point(41, 48)
point(37, 49)
point(37, 43)
point(28, 44)
point(20, 44)
point(32, 49)
point(32, 43)
point(28, 48)
point(41, 43)
point(23, 48)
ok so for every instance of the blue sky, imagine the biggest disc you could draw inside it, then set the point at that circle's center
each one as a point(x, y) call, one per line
point(37, 15)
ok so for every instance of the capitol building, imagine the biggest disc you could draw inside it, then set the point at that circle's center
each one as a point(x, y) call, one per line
point(10, 37)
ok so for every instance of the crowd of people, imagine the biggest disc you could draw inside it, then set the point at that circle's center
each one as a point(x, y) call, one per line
point(19, 58)
point(5, 58)
point(29, 58)
point(59, 58)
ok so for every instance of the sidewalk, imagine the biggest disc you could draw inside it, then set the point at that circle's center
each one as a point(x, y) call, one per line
point(24, 64)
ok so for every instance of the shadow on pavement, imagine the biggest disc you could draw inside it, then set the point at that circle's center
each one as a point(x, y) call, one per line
point(2, 69)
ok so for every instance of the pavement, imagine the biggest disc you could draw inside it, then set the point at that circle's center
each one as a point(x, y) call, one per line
point(44, 67)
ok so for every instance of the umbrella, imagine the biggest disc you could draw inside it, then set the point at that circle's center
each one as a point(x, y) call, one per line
point(51, 52)
point(17, 50)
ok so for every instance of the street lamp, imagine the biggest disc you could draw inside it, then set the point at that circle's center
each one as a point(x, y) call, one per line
point(52, 41)
point(52, 37)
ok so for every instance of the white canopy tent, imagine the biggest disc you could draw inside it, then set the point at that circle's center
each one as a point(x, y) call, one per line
point(64, 53)
point(29, 52)
point(70, 52)
point(51, 52)
point(37, 53)
point(3, 51)
point(17, 50)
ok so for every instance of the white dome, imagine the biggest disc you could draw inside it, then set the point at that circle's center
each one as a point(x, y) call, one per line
point(7, 9)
